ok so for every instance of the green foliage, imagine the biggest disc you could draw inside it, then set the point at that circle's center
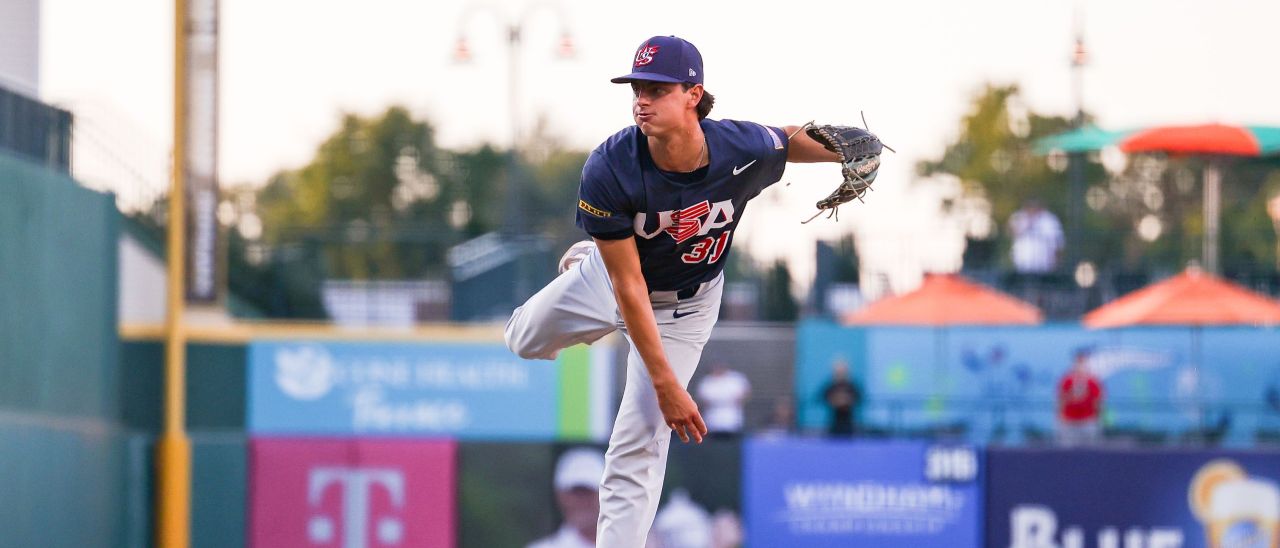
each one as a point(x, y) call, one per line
point(373, 187)
point(993, 156)
point(846, 261)
point(381, 201)
point(996, 162)
point(1249, 234)
point(776, 302)
point(551, 207)
point(989, 155)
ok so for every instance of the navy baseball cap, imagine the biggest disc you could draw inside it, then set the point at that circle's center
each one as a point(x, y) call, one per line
point(665, 59)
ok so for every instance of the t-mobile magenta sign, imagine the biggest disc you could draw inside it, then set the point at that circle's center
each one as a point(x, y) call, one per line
point(352, 493)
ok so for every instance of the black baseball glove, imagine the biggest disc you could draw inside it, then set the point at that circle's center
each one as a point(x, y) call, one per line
point(859, 152)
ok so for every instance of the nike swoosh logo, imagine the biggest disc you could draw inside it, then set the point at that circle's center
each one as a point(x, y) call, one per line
point(677, 313)
point(737, 170)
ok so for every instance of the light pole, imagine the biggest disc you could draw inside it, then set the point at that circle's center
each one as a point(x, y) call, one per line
point(1075, 201)
point(513, 222)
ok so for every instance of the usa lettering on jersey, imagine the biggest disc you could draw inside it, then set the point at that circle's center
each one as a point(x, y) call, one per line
point(693, 221)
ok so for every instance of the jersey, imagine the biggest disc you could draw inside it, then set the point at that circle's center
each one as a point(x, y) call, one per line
point(1080, 397)
point(683, 223)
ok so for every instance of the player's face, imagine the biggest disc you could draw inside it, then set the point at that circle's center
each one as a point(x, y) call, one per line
point(659, 107)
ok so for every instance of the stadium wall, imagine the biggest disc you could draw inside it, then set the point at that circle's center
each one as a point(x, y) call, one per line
point(65, 450)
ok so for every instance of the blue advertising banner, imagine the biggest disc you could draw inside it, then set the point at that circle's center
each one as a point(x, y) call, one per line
point(464, 390)
point(849, 494)
point(1043, 498)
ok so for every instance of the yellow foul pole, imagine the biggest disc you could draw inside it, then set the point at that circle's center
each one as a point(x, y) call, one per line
point(173, 450)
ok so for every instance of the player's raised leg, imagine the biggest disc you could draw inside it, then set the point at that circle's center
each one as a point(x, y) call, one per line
point(576, 307)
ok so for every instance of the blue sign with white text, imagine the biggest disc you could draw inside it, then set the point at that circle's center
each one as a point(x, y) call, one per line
point(465, 390)
point(1121, 498)
point(850, 494)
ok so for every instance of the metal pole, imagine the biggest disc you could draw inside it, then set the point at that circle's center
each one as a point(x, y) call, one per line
point(515, 183)
point(1212, 214)
point(1075, 211)
point(1075, 201)
point(173, 449)
point(515, 187)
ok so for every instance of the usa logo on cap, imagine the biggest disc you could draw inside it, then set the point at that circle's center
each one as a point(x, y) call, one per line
point(645, 54)
point(679, 62)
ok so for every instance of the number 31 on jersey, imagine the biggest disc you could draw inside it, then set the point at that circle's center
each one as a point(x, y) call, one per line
point(709, 249)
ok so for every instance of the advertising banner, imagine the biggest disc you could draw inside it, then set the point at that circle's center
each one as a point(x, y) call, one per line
point(821, 493)
point(203, 274)
point(348, 493)
point(1132, 499)
point(464, 390)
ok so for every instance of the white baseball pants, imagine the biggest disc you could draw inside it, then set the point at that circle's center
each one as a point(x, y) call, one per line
point(579, 307)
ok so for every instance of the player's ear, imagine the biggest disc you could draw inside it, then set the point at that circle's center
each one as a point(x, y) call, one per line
point(695, 95)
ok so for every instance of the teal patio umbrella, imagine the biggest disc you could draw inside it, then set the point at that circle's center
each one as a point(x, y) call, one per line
point(1086, 139)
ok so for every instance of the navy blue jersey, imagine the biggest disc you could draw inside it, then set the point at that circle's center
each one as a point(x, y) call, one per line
point(683, 223)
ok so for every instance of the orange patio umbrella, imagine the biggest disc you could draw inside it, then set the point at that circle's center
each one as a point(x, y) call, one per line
point(1195, 299)
point(947, 299)
point(1192, 298)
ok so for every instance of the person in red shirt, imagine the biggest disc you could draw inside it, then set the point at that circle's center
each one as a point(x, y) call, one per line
point(1079, 403)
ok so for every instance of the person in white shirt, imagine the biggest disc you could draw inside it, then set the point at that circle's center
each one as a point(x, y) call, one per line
point(681, 523)
point(722, 394)
point(577, 484)
point(1037, 239)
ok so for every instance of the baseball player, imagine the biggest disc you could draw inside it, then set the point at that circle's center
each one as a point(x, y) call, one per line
point(661, 201)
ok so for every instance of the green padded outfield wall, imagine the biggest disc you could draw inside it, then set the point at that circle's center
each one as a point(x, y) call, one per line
point(215, 423)
point(63, 450)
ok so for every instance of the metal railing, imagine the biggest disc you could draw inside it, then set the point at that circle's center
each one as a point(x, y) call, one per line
point(1018, 421)
point(35, 131)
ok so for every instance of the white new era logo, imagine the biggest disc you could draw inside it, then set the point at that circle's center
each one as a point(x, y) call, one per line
point(692, 73)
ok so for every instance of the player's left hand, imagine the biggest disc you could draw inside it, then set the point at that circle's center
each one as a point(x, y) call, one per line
point(859, 151)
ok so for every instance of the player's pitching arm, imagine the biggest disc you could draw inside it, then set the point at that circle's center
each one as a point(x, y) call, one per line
point(622, 260)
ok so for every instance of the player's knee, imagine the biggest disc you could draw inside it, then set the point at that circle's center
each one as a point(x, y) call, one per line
point(516, 341)
point(530, 351)
point(521, 340)
point(520, 346)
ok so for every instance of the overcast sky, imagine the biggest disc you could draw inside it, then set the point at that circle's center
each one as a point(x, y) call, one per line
point(290, 67)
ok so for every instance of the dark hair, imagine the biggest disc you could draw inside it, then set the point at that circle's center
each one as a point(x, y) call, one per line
point(704, 105)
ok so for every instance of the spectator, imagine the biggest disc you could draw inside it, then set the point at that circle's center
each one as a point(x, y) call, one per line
point(726, 529)
point(1079, 403)
point(1037, 239)
point(681, 523)
point(843, 396)
point(577, 485)
point(722, 394)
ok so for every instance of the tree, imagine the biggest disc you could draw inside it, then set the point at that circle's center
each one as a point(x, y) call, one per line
point(846, 264)
point(1249, 234)
point(1146, 217)
point(776, 302)
point(375, 197)
point(380, 201)
point(994, 159)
